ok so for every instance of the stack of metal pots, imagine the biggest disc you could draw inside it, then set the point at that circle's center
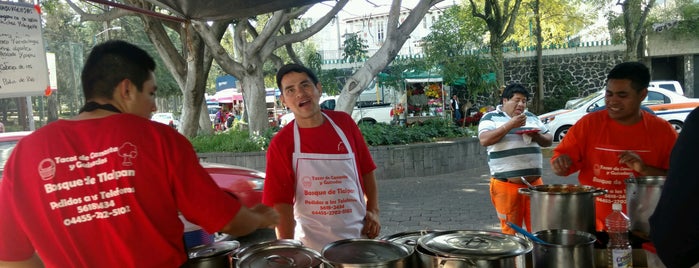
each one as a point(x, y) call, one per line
point(280, 253)
point(563, 216)
point(562, 206)
point(471, 249)
point(642, 196)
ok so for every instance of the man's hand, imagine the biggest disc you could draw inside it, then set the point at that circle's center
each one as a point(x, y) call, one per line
point(269, 216)
point(561, 164)
point(372, 226)
point(633, 161)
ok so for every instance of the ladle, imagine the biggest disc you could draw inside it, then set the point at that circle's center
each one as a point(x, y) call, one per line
point(527, 234)
point(531, 187)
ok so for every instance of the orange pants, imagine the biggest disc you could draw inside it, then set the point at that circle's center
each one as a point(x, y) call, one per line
point(510, 205)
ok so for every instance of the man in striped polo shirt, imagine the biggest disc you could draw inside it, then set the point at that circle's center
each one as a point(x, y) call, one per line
point(514, 138)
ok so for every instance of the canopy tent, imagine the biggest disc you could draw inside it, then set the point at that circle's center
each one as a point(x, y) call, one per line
point(227, 96)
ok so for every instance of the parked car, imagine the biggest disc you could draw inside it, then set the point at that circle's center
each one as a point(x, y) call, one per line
point(166, 118)
point(8, 140)
point(669, 85)
point(664, 103)
point(371, 114)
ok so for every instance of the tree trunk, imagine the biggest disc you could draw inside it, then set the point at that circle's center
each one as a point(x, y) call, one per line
point(254, 96)
point(52, 108)
point(397, 34)
point(498, 58)
point(539, 96)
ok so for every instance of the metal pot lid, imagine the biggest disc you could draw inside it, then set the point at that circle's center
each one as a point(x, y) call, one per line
point(407, 238)
point(278, 256)
point(365, 251)
point(474, 244)
point(213, 249)
point(266, 244)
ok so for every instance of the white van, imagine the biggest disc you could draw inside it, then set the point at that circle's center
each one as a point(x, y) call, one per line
point(669, 85)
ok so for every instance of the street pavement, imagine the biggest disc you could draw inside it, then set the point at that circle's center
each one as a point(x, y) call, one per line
point(454, 201)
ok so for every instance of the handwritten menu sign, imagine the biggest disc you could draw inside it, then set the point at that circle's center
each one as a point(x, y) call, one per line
point(23, 69)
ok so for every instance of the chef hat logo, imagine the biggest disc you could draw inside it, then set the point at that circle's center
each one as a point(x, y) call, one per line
point(307, 182)
point(47, 169)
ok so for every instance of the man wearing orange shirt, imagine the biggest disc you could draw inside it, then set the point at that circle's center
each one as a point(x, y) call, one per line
point(612, 144)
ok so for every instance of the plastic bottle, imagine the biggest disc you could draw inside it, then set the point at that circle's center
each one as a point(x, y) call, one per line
point(618, 249)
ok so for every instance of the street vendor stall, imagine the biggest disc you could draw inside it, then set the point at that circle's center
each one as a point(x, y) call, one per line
point(425, 98)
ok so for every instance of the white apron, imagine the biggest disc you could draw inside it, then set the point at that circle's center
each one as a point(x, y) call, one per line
point(329, 204)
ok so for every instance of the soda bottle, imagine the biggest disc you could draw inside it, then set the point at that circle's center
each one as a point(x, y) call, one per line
point(618, 249)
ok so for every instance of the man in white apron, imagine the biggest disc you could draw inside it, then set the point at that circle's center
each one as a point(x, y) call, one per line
point(610, 145)
point(320, 174)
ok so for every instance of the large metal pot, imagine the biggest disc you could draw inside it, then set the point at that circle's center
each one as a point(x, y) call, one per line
point(214, 255)
point(642, 195)
point(472, 249)
point(564, 248)
point(375, 253)
point(409, 239)
point(562, 206)
point(280, 254)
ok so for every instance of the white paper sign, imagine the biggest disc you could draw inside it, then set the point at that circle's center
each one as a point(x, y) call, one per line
point(23, 68)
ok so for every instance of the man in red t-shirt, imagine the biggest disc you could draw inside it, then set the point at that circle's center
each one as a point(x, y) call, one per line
point(320, 174)
point(105, 188)
point(610, 145)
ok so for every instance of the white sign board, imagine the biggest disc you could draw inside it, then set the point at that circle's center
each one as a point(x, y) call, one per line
point(23, 68)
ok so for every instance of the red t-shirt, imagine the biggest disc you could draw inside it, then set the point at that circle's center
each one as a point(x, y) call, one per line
point(280, 181)
point(594, 144)
point(106, 193)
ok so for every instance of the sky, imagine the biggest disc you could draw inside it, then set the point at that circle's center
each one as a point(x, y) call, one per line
point(357, 8)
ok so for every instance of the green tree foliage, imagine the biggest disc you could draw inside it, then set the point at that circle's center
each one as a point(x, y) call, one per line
point(560, 19)
point(355, 48)
point(500, 17)
point(676, 20)
point(450, 47)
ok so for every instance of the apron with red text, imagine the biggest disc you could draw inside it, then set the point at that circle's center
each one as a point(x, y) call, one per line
point(609, 174)
point(329, 203)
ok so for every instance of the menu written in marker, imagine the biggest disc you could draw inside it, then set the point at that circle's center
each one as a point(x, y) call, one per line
point(23, 68)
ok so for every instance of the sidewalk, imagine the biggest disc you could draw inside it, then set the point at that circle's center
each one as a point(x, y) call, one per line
point(455, 201)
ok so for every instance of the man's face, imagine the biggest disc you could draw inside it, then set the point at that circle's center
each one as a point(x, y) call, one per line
point(142, 103)
point(300, 95)
point(623, 102)
point(515, 105)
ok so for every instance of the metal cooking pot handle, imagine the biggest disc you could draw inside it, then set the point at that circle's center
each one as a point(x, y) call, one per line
point(443, 261)
point(525, 191)
point(598, 192)
point(283, 260)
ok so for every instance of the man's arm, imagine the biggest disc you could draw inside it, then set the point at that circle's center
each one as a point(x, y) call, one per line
point(634, 161)
point(544, 140)
point(372, 225)
point(490, 137)
point(247, 220)
point(33, 262)
point(285, 228)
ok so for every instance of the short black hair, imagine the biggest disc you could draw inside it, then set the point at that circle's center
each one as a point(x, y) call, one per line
point(635, 71)
point(110, 63)
point(511, 89)
point(297, 68)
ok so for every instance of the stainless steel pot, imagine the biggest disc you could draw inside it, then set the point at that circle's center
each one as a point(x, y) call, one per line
point(375, 253)
point(214, 255)
point(564, 248)
point(562, 206)
point(642, 195)
point(472, 249)
point(409, 239)
point(280, 254)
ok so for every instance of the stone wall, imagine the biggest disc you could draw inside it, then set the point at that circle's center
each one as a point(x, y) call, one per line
point(584, 72)
point(395, 161)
